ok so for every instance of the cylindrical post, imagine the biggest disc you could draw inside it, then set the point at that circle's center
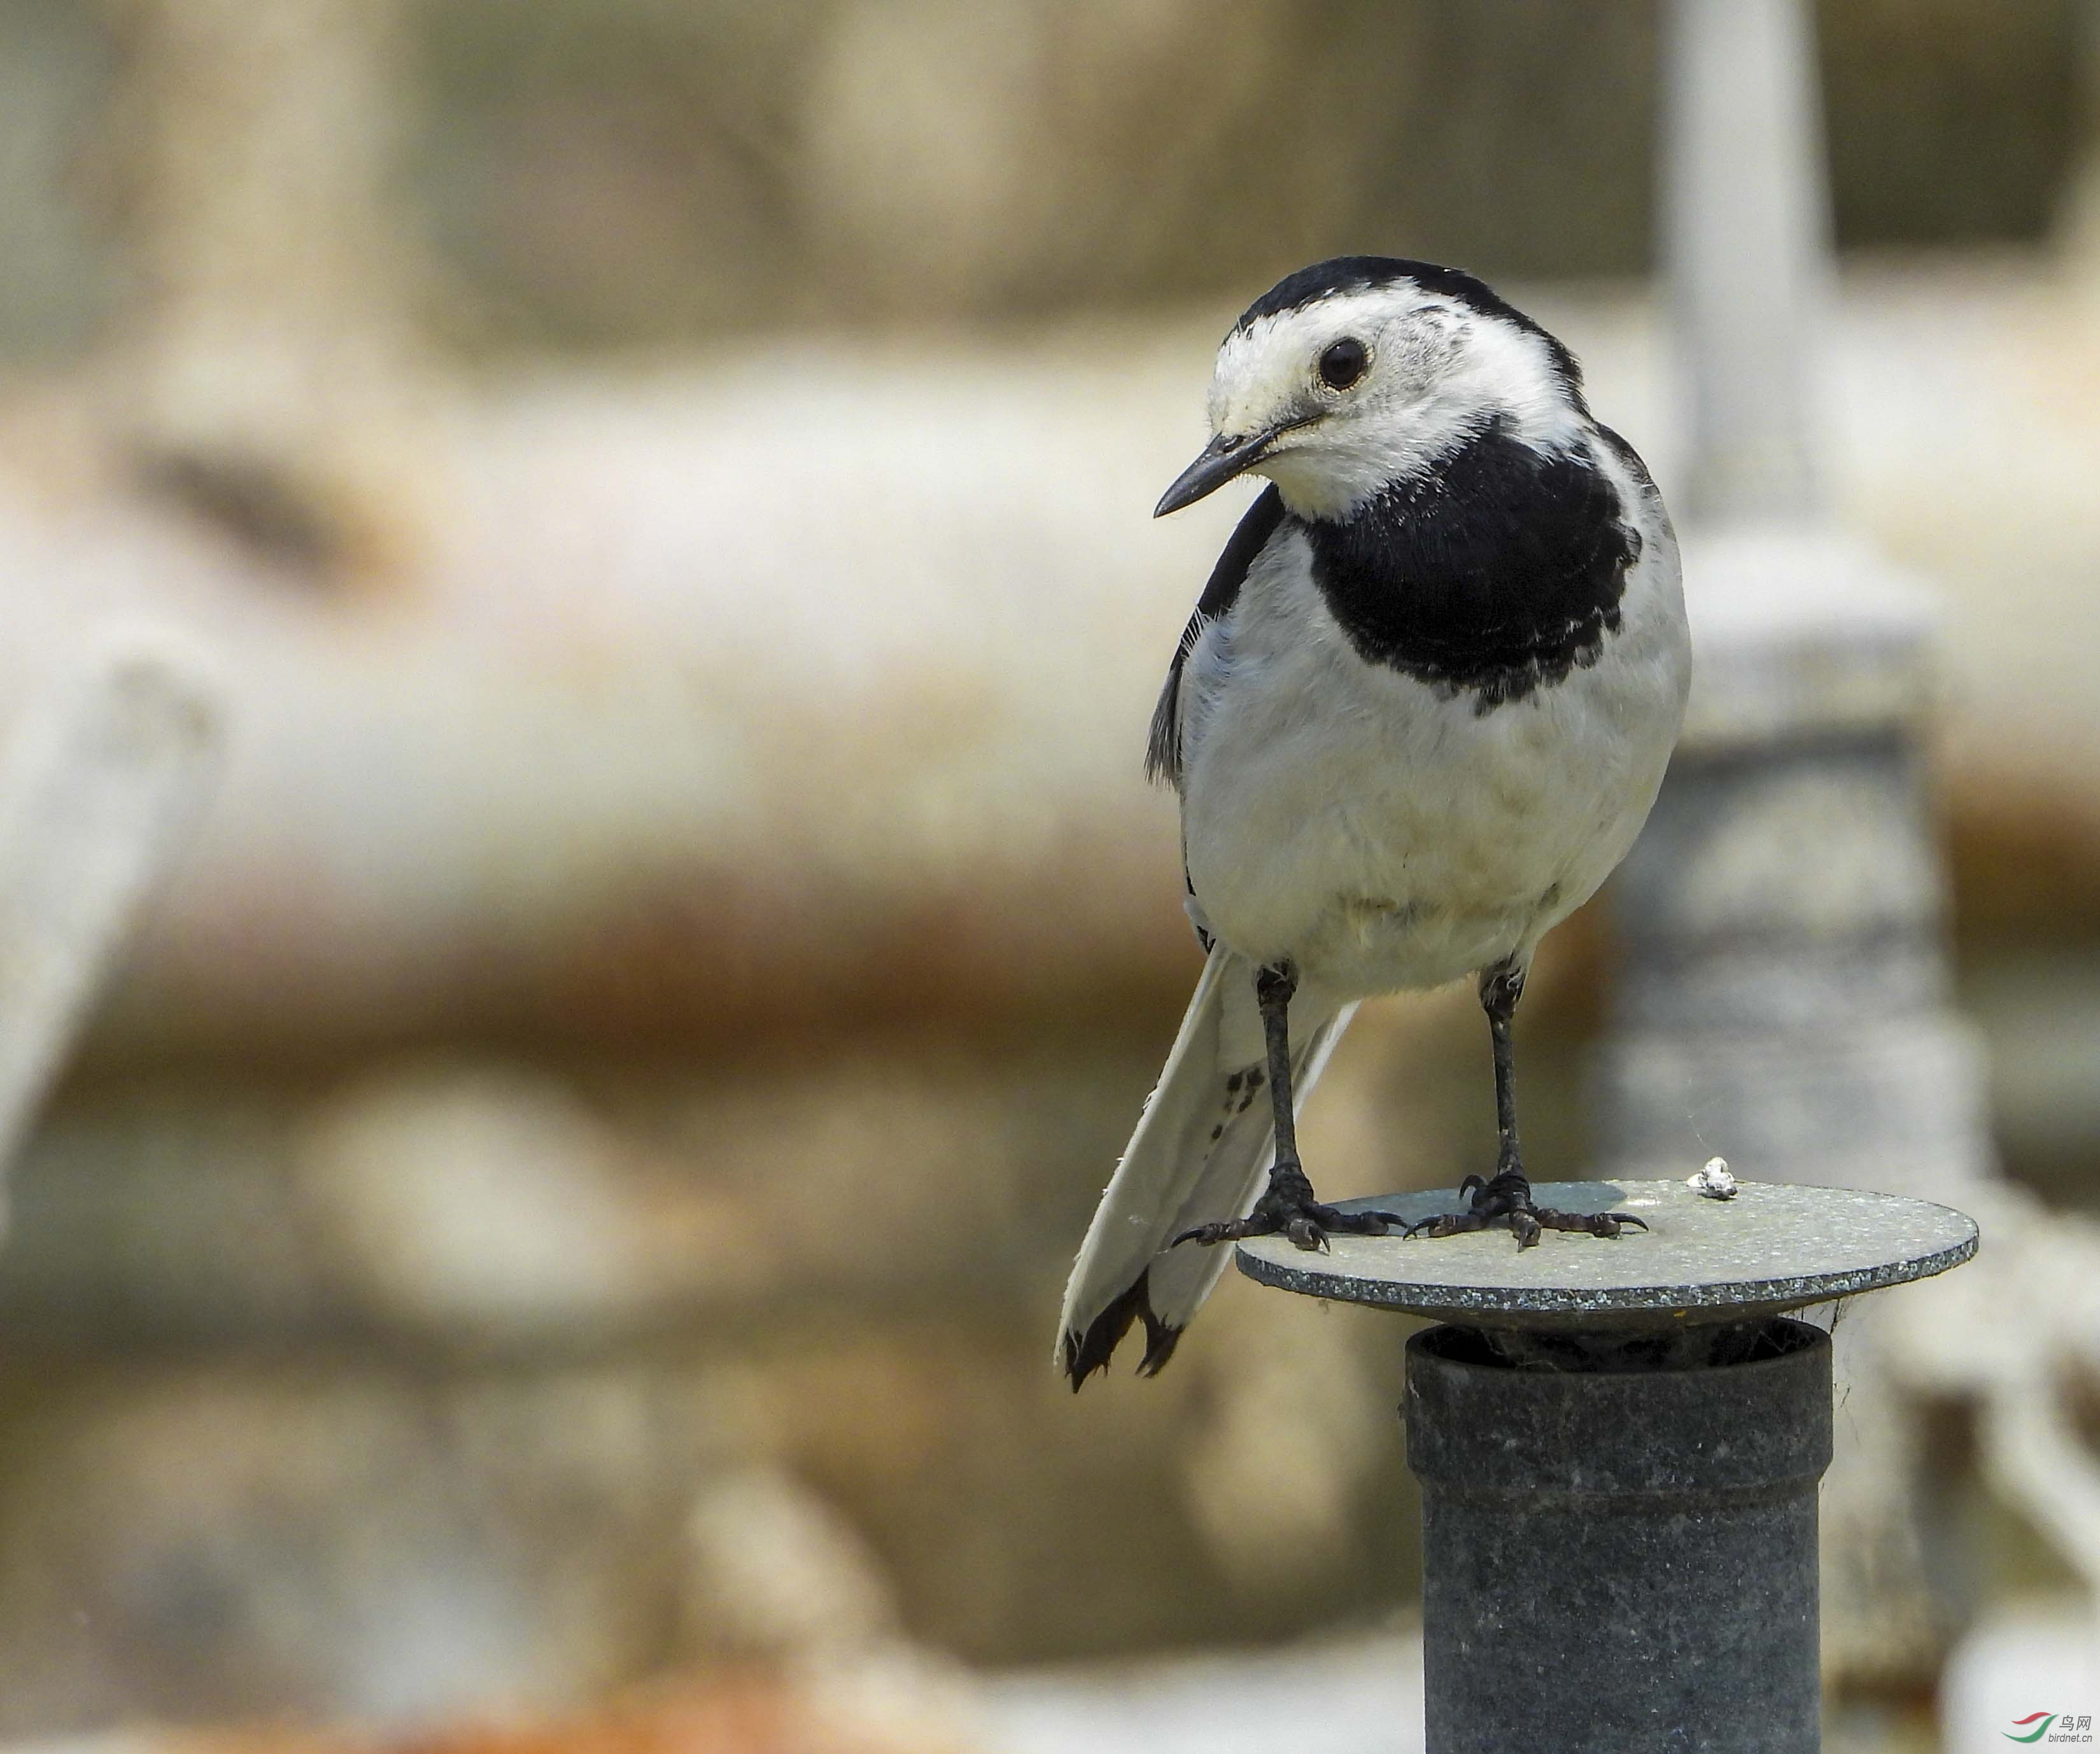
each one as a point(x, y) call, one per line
point(1618, 1561)
point(1619, 1444)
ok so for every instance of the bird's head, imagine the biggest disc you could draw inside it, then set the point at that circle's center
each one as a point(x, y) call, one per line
point(1353, 374)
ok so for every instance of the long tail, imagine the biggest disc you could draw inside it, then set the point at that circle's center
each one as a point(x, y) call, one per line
point(1200, 1152)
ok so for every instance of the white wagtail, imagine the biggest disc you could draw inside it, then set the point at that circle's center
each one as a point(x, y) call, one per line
point(1420, 712)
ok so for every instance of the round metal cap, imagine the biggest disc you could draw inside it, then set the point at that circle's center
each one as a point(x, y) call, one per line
point(1774, 1246)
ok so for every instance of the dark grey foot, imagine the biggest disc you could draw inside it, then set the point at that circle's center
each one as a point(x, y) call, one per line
point(1287, 1208)
point(1506, 1200)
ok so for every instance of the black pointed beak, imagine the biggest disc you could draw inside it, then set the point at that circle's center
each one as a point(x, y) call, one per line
point(1225, 457)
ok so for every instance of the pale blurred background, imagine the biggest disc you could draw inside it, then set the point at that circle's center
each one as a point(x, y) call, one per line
point(560, 1217)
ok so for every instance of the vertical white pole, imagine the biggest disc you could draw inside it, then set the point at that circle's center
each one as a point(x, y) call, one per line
point(1746, 242)
point(99, 783)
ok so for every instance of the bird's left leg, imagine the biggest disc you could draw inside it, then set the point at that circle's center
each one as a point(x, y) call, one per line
point(1287, 1205)
point(1506, 1198)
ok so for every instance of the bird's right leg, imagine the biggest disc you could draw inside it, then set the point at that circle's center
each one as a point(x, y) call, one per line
point(1287, 1205)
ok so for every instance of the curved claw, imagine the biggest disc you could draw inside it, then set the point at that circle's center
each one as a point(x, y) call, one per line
point(1593, 1224)
point(1444, 1224)
point(1205, 1234)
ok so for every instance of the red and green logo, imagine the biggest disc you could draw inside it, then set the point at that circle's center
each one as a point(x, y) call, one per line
point(2041, 1720)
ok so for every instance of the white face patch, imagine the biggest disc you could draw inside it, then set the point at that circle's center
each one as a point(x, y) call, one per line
point(1438, 371)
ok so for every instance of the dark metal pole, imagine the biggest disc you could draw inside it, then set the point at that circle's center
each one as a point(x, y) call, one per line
point(1619, 1444)
point(1620, 1561)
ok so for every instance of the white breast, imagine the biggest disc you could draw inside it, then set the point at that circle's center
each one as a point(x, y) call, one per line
point(1378, 831)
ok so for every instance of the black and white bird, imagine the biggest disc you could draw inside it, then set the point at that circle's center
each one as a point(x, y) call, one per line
point(1420, 712)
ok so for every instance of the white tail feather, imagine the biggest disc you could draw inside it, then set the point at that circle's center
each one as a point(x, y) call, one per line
point(1200, 1152)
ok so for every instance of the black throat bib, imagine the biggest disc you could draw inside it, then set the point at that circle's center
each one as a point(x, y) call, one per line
point(1495, 572)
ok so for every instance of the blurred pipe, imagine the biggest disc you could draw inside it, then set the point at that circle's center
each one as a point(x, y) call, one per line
point(1744, 204)
point(98, 788)
point(2034, 1454)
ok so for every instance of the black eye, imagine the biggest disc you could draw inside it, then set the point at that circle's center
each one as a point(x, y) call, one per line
point(1342, 364)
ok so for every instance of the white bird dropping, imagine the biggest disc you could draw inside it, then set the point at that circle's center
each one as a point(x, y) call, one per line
point(1714, 1180)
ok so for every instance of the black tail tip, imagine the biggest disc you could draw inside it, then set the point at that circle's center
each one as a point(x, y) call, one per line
point(1090, 1351)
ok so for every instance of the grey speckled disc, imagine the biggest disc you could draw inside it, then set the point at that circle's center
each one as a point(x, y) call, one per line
point(1776, 1245)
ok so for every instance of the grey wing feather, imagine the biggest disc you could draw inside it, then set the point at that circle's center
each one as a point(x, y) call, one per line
point(1163, 746)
